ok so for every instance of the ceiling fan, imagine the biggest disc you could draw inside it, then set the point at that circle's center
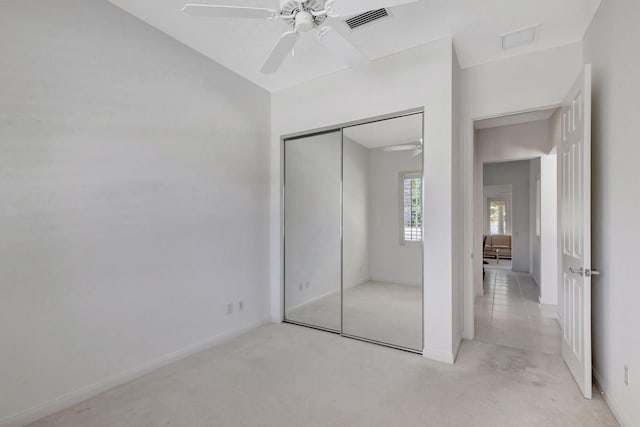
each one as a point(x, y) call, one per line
point(301, 16)
point(416, 146)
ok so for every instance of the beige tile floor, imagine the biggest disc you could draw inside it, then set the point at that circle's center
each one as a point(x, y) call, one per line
point(509, 314)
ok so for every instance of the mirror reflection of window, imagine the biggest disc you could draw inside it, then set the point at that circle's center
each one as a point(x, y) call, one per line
point(412, 207)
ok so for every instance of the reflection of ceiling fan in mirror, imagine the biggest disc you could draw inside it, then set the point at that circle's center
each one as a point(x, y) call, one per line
point(301, 16)
point(415, 146)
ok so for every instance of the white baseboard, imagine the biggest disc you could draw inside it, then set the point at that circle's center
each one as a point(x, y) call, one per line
point(610, 399)
point(393, 282)
point(74, 397)
point(456, 350)
point(439, 355)
point(547, 305)
point(534, 280)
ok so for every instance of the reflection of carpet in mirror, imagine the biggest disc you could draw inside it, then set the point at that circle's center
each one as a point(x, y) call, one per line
point(385, 312)
point(379, 311)
point(323, 312)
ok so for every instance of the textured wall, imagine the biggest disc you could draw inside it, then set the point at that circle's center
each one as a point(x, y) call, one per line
point(134, 188)
point(611, 46)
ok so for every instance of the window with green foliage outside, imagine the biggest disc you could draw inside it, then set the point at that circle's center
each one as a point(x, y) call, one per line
point(412, 207)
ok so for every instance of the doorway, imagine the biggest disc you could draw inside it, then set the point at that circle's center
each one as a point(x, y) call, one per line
point(565, 284)
point(516, 217)
point(497, 252)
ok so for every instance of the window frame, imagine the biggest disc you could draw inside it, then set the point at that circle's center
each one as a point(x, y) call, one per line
point(415, 174)
point(508, 226)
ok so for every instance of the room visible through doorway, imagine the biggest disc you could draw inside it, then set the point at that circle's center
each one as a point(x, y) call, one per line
point(515, 227)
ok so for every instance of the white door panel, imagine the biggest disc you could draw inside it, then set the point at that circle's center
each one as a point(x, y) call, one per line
point(575, 231)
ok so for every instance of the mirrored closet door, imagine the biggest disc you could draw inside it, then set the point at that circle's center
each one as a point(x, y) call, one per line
point(312, 218)
point(353, 231)
point(382, 242)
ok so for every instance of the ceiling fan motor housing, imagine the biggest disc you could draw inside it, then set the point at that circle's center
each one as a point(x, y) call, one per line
point(304, 21)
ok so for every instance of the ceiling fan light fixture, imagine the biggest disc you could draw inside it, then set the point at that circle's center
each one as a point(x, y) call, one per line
point(301, 16)
point(304, 22)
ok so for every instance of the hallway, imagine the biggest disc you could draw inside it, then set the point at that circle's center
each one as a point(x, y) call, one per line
point(509, 314)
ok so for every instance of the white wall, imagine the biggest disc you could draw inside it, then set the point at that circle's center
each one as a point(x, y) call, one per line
point(357, 243)
point(457, 205)
point(549, 230)
point(611, 45)
point(312, 215)
point(519, 83)
point(544, 248)
point(418, 77)
point(534, 238)
point(391, 261)
point(515, 174)
point(134, 185)
point(513, 142)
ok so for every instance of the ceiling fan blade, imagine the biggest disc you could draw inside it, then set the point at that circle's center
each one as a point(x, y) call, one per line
point(354, 7)
point(220, 11)
point(336, 43)
point(280, 52)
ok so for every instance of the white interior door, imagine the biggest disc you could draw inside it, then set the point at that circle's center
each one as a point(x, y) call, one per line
point(575, 231)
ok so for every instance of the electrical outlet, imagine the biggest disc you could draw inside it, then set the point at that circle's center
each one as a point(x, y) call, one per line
point(241, 306)
point(300, 286)
point(626, 375)
point(229, 308)
point(306, 285)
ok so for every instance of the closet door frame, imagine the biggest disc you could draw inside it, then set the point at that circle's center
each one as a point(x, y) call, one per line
point(321, 131)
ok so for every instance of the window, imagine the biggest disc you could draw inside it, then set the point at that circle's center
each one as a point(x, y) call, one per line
point(538, 208)
point(498, 209)
point(411, 207)
point(498, 217)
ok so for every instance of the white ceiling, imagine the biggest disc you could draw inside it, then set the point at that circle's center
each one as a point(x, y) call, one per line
point(401, 130)
point(515, 119)
point(242, 45)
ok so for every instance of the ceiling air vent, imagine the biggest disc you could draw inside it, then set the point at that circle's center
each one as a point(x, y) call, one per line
point(366, 18)
point(520, 37)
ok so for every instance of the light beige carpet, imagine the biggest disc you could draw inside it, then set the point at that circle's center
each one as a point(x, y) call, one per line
point(286, 375)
